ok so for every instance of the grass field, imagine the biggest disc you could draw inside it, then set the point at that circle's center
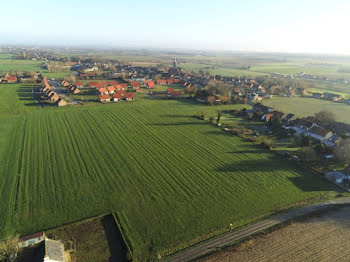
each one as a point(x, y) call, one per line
point(7, 64)
point(307, 106)
point(173, 179)
point(318, 238)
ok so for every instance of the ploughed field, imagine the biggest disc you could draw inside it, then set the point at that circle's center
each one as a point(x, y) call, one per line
point(173, 179)
point(319, 238)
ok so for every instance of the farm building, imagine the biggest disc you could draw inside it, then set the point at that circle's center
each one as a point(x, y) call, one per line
point(32, 239)
point(117, 97)
point(111, 89)
point(129, 96)
point(51, 251)
point(79, 84)
point(104, 98)
point(103, 91)
point(161, 82)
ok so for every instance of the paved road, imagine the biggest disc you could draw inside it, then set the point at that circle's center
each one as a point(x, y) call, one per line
point(220, 242)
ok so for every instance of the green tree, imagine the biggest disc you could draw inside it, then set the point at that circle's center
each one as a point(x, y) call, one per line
point(305, 141)
point(325, 117)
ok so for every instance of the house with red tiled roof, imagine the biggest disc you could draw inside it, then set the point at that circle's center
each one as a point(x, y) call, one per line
point(104, 98)
point(161, 82)
point(124, 85)
point(117, 97)
point(170, 90)
point(149, 84)
point(135, 84)
point(129, 97)
point(111, 89)
point(170, 81)
point(103, 91)
point(79, 84)
point(11, 79)
point(113, 83)
point(93, 84)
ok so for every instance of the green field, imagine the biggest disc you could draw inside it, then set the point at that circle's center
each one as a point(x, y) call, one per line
point(307, 106)
point(174, 180)
point(7, 64)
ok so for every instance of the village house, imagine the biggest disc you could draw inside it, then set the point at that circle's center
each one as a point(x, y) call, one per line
point(104, 98)
point(149, 84)
point(129, 97)
point(54, 97)
point(103, 91)
point(111, 89)
point(135, 85)
point(161, 82)
point(117, 97)
point(11, 79)
point(61, 102)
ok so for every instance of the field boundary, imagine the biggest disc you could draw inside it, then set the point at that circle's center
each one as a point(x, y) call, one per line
point(125, 239)
point(218, 243)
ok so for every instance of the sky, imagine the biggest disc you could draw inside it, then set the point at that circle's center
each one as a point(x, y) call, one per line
point(294, 26)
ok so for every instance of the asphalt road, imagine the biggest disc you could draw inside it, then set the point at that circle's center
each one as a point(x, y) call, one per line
point(222, 241)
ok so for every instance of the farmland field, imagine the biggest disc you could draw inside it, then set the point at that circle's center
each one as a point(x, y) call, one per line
point(173, 179)
point(319, 238)
point(307, 106)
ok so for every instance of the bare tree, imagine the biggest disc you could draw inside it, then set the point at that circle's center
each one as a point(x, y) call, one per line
point(9, 249)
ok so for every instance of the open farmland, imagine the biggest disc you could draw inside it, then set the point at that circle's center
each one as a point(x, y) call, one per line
point(308, 106)
point(174, 180)
point(318, 238)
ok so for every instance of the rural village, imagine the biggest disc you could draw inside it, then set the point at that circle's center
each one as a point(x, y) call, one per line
point(322, 141)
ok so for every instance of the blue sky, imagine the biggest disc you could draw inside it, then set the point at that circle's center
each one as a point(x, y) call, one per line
point(286, 26)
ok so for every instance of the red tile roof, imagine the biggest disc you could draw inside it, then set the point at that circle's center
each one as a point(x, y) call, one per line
point(78, 83)
point(135, 84)
point(104, 97)
point(103, 90)
point(129, 95)
point(170, 90)
point(35, 235)
point(110, 88)
point(118, 95)
point(161, 82)
point(113, 83)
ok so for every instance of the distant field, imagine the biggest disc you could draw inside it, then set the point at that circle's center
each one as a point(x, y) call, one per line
point(319, 238)
point(332, 70)
point(174, 180)
point(223, 71)
point(7, 64)
point(307, 106)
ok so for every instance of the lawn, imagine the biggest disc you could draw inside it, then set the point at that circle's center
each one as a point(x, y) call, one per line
point(307, 106)
point(174, 180)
